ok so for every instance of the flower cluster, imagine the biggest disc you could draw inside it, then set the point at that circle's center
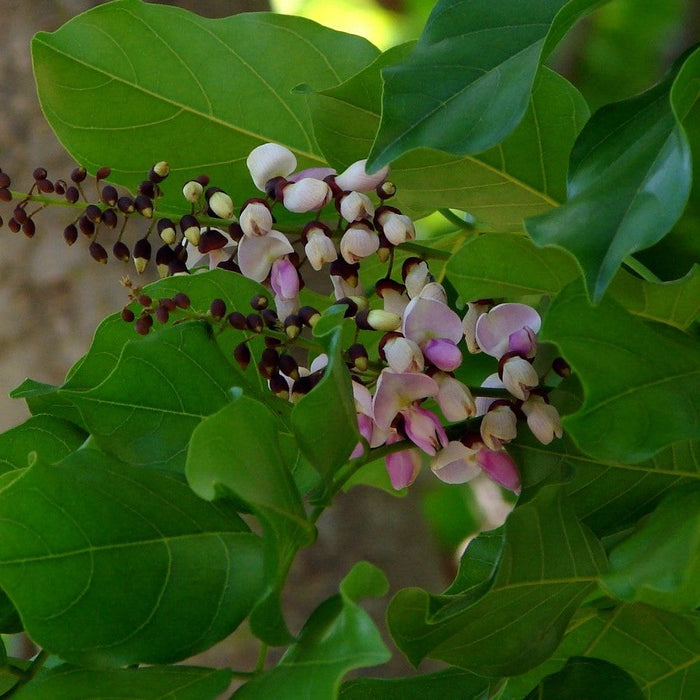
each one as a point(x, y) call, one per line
point(408, 350)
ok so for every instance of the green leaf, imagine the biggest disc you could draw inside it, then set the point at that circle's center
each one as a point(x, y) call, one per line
point(508, 265)
point(550, 562)
point(450, 684)
point(629, 180)
point(43, 398)
point(43, 437)
point(658, 649)
point(641, 381)
point(176, 682)
point(676, 303)
point(162, 386)
point(466, 85)
point(236, 453)
point(609, 496)
point(659, 563)
point(120, 81)
point(338, 637)
point(325, 420)
point(588, 679)
point(523, 175)
point(165, 573)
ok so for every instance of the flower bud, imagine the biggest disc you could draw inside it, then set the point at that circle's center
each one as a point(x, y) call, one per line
point(159, 171)
point(378, 320)
point(498, 425)
point(124, 204)
point(268, 161)
point(192, 191)
point(542, 418)
point(220, 204)
point(241, 353)
point(397, 227)
point(142, 254)
point(318, 245)
point(358, 242)
point(518, 375)
point(98, 253)
point(355, 206)
point(309, 316)
point(415, 274)
point(190, 229)
point(144, 206)
point(309, 194)
point(166, 230)
point(355, 177)
point(109, 195)
point(256, 218)
point(121, 251)
point(454, 398)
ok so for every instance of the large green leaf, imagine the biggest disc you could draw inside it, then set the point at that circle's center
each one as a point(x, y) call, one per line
point(325, 420)
point(659, 563)
point(173, 682)
point(550, 562)
point(609, 496)
point(162, 386)
point(466, 85)
point(660, 650)
point(338, 637)
point(90, 539)
point(122, 80)
point(523, 175)
point(43, 437)
point(629, 180)
point(641, 380)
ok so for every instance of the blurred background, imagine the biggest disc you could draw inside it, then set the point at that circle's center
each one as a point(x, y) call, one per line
point(52, 297)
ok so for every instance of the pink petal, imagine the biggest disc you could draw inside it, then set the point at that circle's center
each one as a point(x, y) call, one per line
point(494, 328)
point(455, 464)
point(284, 279)
point(424, 429)
point(396, 391)
point(443, 353)
point(500, 467)
point(355, 177)
point(316, 173)
point(256, 254)
point(270, 160)
point(426, 318)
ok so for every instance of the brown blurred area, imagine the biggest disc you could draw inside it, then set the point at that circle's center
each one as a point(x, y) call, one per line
point(52, 297)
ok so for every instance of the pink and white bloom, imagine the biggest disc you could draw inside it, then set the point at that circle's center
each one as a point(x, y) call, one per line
point(518, 376)
point(255, 218)
point(398, 228)
point(284, 279)
point(436, 329)
point(256, 254)
point(355, 177)
point(498, 426)
point(542, 418)
point(500, 467)
point(475, 310)
point(507, 328)
point(455, 463)
point(402, 354)
point(403, 467)
point(358, 242)
point(416, 275)
point(268, 161)
point(355, 206)
point(454, 398)
point(308, 194)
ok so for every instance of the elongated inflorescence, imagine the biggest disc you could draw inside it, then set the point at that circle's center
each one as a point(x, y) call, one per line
point(408, 350)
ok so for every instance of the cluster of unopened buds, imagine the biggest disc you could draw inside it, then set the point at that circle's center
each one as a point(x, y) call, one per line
point(400, 393)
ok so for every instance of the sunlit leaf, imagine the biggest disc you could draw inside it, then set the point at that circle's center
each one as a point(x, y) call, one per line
point(176, 682)
point(165, 573)
point(523, 175)
point(641, 381)
point(162, 386)
point(466, 84)
point(338, 637)
point(549, 563)
point(629, 180)
point(122, 80)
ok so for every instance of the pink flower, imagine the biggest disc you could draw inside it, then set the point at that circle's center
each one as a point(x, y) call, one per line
point(355, 177)
point(499, 425)
point(308, 194)
point(403, 467)
point(506, 325)
point(284, 279)
point(256, 254)
point(455, 463)
point(518, 376)
point(499, 466)
point(542, 419)
point(454, 398)
point(268, 161)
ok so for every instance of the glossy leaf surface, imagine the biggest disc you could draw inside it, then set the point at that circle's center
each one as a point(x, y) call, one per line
point(521, 176)
point(160, 389)
point(635, 404)
point(629, 180)
point(203, 86)
point(466, 84)
point(166, 573)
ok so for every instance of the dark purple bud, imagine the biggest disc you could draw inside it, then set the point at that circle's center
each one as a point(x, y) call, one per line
point(39, 174)
point(142, 254)
point(162, 314)
point(98, 253)
point(60, 187)
point(211, 239)
point(78, 174)
point(87, 228)
point(309, 316)
point(217, 308)
point(29, 228)
point(5, 195)
point(270, 318)
point(103, 172)
point(259, 302)
point(109, 195)
point(254, 322)
point(93, 212)
point(182, 300)
point(126, 205)
point(109, 218)
point(121, 251)
point(72, 194)
point(237, 320)
point(70, 234)
point(45, 186)
point(5, 180)
point(144, 206)
point(127, 315)
point(143, 324)
point(288, 365)
point(241, 354)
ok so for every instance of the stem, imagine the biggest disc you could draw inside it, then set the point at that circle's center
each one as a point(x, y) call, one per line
point(457, 220)
point(26, 676)
point(641, 269)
